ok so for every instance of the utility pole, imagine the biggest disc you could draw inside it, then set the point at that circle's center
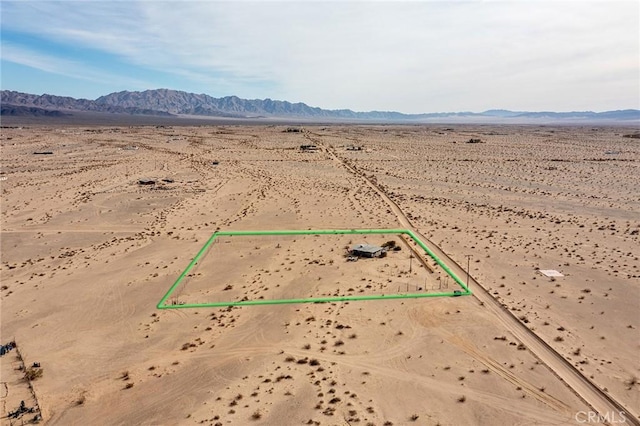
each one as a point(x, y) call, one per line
point(468, 256)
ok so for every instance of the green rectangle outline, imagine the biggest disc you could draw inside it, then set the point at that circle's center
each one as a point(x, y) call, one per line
point(162, 305)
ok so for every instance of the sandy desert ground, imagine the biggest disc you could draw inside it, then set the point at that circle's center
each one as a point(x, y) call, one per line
point(87, 253)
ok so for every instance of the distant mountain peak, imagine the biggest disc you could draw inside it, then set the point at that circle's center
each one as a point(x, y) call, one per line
point(174, 102)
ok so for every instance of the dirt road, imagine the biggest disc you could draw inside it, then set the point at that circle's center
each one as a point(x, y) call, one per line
point(598, 400)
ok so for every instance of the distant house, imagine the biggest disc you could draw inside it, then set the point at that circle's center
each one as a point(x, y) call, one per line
point(367, 250)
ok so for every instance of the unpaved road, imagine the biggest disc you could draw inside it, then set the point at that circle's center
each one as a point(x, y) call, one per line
point(597, 399)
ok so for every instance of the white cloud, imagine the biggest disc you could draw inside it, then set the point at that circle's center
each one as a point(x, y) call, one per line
point(68, 68)
point(412, 57)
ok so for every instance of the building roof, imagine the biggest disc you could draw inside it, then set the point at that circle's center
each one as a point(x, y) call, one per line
point(366, 248)
point(550, 273)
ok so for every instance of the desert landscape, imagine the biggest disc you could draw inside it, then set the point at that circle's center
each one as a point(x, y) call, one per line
point(98, 222)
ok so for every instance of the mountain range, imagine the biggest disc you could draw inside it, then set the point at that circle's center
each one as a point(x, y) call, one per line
point(173, 103)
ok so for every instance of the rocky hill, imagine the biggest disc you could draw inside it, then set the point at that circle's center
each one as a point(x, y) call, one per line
point(16, 103)
point(165, 102)
point(176, 102)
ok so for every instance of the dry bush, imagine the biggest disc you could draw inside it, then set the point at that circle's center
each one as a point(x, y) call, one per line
point(633, 381)
point(81, 399)
point(33, 373)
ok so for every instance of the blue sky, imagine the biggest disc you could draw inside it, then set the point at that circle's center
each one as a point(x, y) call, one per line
point(413, 57)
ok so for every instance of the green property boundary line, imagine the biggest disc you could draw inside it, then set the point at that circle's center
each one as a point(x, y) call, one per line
point(162, 304)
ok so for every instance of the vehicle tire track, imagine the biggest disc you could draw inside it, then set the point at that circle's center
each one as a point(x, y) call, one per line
point(584, 388)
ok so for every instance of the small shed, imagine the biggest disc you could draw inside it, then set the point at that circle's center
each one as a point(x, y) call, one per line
point(367, 250)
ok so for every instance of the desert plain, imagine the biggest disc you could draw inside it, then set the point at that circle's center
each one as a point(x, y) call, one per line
point(87, 252)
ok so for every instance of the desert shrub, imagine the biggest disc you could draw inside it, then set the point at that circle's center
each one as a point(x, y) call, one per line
point(33, 373)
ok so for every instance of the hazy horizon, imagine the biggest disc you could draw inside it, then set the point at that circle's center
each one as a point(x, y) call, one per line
point(410, 57)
